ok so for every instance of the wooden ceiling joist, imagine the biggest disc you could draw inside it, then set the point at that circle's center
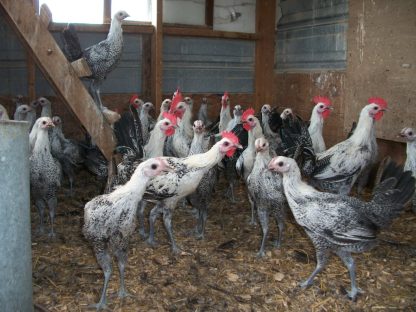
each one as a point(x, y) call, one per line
point(40, 44)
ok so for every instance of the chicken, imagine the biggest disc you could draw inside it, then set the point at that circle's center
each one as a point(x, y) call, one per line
point(25, 113)
point(128, 129)
point(178, 145)
point(109, 222)
point(203, 112)
point(321, 110)
point(266, 191)
point(272, 137)
point(183, 181)
point(145, 120)
point(245, 162)
point(229, 163)
point(341, 224)
point(3, 113)
point(103, 57)
point(225, 114)
point(164, 108)
point(71, 47)
point(344, 162)
point(163, 128)
point(46, 107)
point(409, 135)
point(45, 173)
point(201, 198)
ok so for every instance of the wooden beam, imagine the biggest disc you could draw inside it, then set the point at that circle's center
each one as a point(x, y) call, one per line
point(107, 12)
point(128, 27)
point(209, 13)
point(31, 77)
point(157, 53)
point(146, 73)
point(38, 41)
point(195, 31)
point(264, 60)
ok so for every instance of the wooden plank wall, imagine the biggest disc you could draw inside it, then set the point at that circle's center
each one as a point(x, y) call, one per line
point(382, 61)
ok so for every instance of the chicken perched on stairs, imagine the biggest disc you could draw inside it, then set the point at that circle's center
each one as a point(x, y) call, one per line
point(103, 57)
point(266, 191)
point(409, 135)
point(344, 162)
point(183, 181)
point(110, 220)
point(321, 110)
point(201, 198)
point(245, 162)
point(341, 224)
point(45, 173)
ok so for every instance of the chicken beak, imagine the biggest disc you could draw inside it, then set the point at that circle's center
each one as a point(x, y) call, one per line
point(330, 108)
point(50, 124)
point(239, 146)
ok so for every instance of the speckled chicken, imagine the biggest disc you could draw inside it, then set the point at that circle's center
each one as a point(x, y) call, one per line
point(266, 191)
point(202, 197)
point(203, 112)
point(25, 113)
point(341, 224)
point(46, 107)
point(183, 181)
point(103, 57)
point(271, 136)
point(45, 173)
point(110, 220)
point(225, 114)
point(409, 135)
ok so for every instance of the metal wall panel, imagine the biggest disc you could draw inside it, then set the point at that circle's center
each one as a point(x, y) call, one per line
point(205, 65)
point(312, 35)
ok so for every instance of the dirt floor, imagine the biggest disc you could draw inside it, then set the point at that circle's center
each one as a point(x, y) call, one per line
point(222, 272)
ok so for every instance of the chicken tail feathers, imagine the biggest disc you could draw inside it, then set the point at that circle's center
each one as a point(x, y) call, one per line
point(396, 188)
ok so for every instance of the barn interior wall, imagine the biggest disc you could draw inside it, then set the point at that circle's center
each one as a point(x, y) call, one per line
point(380, 61)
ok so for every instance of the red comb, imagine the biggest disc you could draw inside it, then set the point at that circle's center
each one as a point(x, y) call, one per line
point(231, 136)
point(321, 99)
point(133, 98)
point(177, 97)
point(225, 96)
point(379, 101)
point(247, 113)
point(171, 117)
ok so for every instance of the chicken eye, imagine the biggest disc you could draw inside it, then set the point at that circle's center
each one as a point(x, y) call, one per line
point(154, 167)
point(226, 143)
point(375, 107)
point(410, 133)
point(250, 119)
point(43, 122)
point(280, 163)
point(166, 123)
point(321, 106)
point(264, 144)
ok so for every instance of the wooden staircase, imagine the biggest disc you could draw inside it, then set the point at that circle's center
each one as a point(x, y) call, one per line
point(33, 31)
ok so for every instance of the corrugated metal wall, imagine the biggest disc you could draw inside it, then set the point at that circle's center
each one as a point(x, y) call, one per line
point(312, 35)
point(201, 65)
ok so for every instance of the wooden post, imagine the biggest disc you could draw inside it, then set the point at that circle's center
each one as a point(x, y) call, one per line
point(209, 13)
point(264, 60)
point(157, 53)
point(43, 48)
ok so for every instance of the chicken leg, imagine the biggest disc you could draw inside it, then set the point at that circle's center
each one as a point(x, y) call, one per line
point(154, 213)
point(348, 260)
point(121, 255)
point(264, 222)
point(104, 260)
point(167, 220)
point(40, 205)
point(321, 261)
point(95, 87)
point(52, 203)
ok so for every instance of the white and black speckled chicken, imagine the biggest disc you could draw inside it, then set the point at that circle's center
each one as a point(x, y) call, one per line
point(268, 120)
point(341, 224)
point(203, 112)
point(320, 111)
point(202, 197)
point(25, 113)
point(46, 107)
point(110, 220)
point(183, 181)
point(45, 172)
point(266, 191)
point(71, 47)
point(225, 114)
point(409, 135)
point(103, 57)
